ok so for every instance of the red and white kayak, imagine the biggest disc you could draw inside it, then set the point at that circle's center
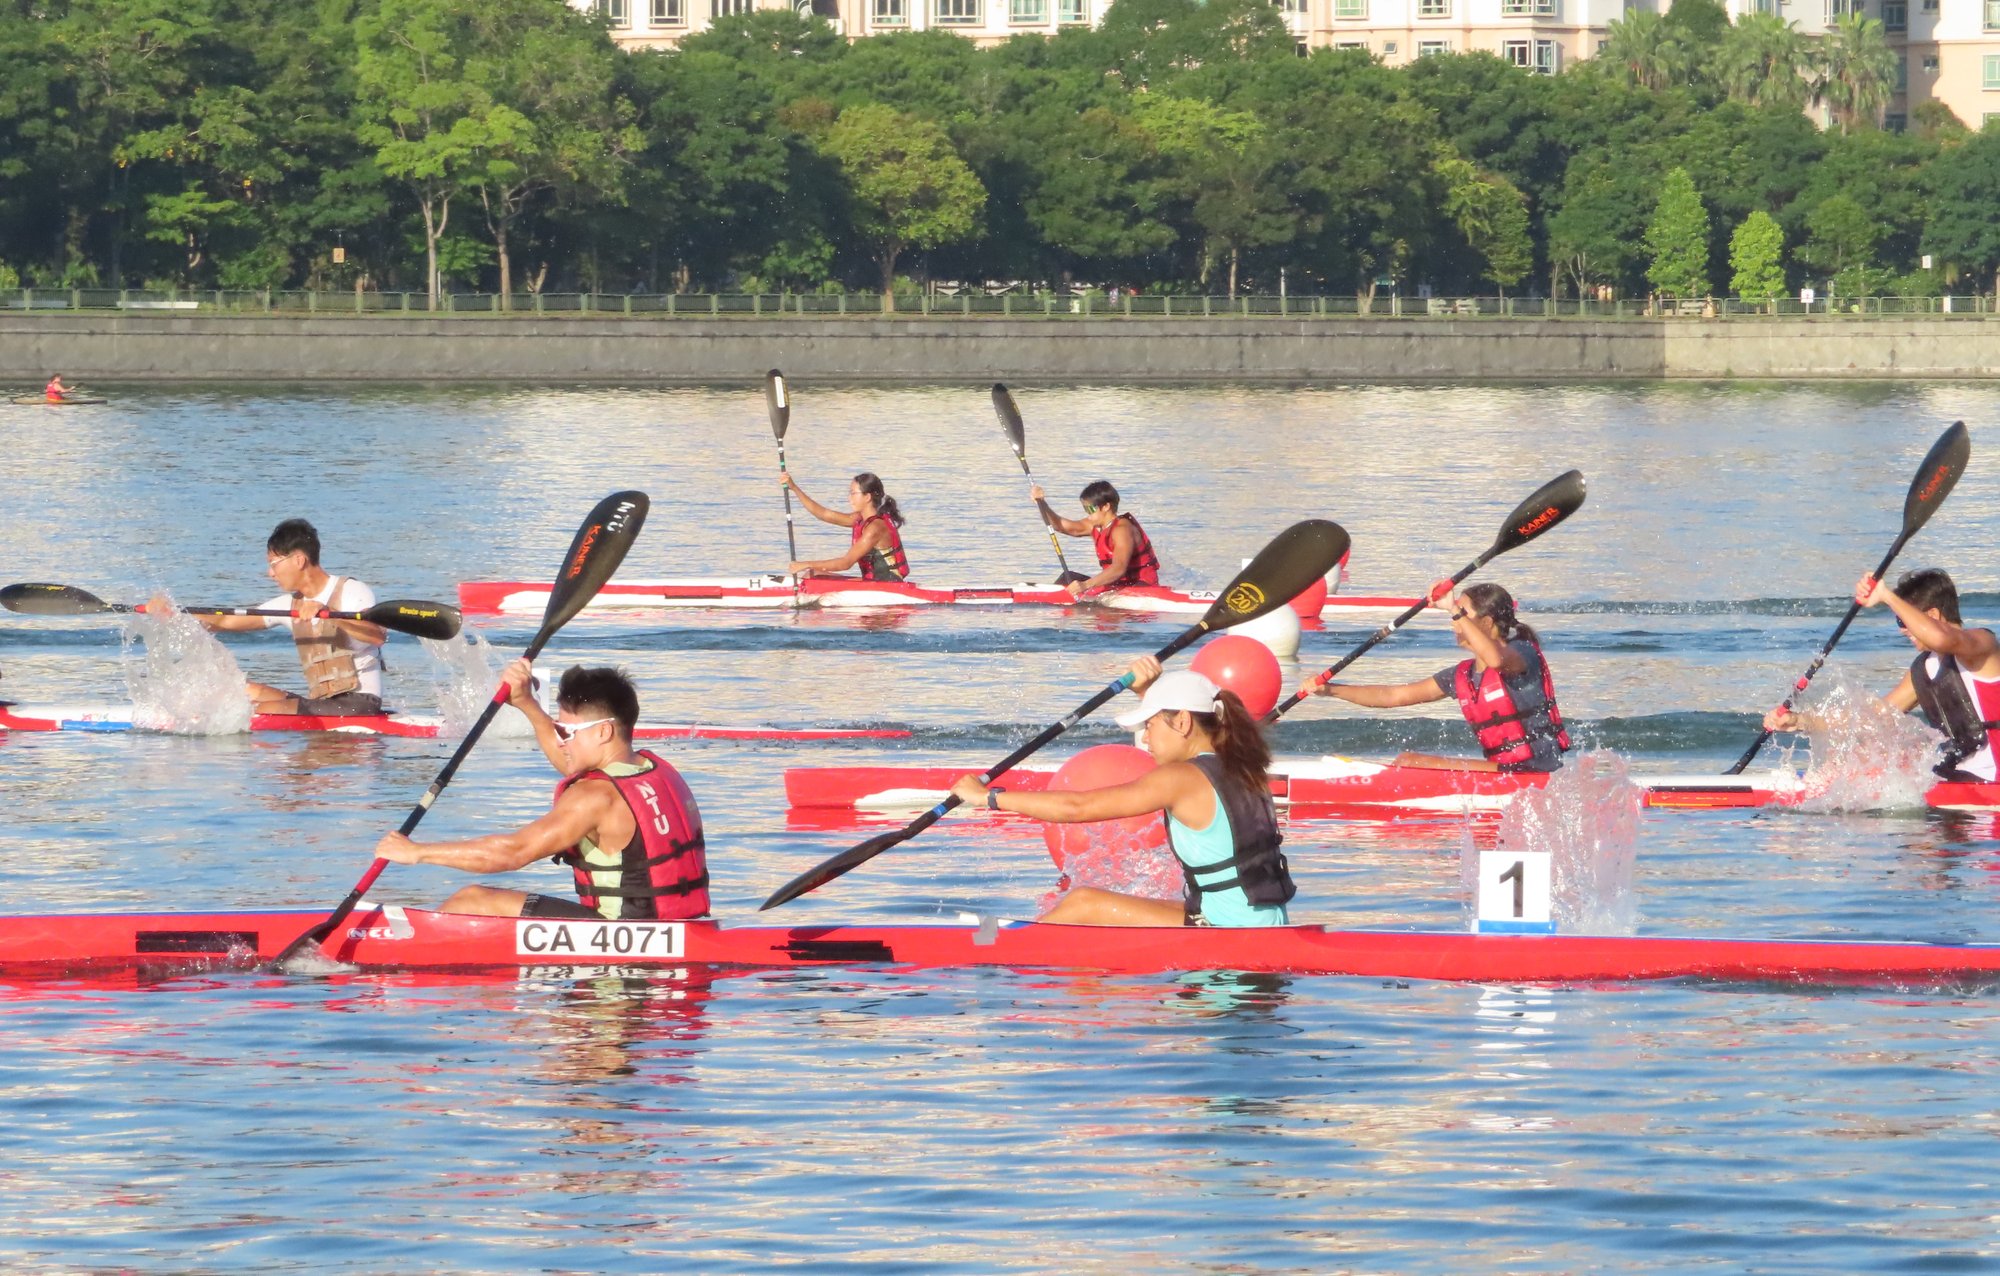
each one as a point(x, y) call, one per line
point(1341, 784)
point(115, 718)
point(495, 597)
point(392, 937)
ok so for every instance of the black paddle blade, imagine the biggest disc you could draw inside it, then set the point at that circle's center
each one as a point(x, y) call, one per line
point(778, 402)
point(1555, 501)
point(1010, 420)
point(1294, 559)
point(418, 619)
point(828, 869)
point(37, 599)
point(1937, 476)
point(599, 547)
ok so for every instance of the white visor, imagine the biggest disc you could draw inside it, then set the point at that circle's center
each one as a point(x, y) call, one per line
point(1181, 689)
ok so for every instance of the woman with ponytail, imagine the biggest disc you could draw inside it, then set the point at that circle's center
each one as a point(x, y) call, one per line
point(871, 519)
point(1504, 690)
point(1211, 784)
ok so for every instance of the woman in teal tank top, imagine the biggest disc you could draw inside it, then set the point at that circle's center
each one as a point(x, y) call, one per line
point(1212, 784)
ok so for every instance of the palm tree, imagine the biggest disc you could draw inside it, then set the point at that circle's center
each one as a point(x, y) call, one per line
point(1854, 71)
point(1644, 50)
point(1762, 61)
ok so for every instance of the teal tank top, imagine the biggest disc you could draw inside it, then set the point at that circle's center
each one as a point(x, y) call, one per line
point(1211, 845)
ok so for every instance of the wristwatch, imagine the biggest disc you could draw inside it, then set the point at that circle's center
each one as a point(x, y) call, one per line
point(993, 798)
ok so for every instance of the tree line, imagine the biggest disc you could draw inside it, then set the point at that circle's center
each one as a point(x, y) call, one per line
point(1179, 146)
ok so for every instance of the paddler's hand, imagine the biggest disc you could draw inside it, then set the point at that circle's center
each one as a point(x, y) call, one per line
point(1440, 594)
point(398, 849)
point(309, 609)
point(1035, 493)
point(1075, 588)
point(1781, 719)
point(519, 677)
point(969, 789)
point(160, 605)
point(1869, 592)
point(1313, 686)
point(801, 569)
point(1145, 672)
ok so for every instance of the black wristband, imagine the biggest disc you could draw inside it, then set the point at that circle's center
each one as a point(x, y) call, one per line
point(993, 798)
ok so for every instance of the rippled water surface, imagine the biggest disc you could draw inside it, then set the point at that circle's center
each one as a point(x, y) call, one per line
point(989, 1120)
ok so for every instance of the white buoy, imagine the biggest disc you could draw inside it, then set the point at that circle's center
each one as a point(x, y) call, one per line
point(1277, 629)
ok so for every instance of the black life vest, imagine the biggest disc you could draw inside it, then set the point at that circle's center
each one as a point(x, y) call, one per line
point(1143, 568)
point(662, 873)
point(1262, 876)
point(1949, 707)
point(876, 564)
point(1507, 736)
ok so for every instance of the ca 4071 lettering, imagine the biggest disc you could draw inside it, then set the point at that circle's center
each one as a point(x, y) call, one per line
point(599, 941)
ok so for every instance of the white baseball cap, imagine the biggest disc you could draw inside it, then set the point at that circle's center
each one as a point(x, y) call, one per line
point(1181, 689)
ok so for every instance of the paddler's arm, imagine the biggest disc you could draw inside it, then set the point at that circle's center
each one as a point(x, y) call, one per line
point(1163, 788)
point(839, 518)
point(1377, 696)
point(159, 605)
point(1971, 648)
point(1122, 545)
point(872, 539)
point(519, 678)
point(1067, 526)
point(1490, 652)
point(362, 631)
point(580, 810)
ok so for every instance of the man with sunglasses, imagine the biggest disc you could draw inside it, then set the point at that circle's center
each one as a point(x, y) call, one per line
point(623, 821)
point(342, 659)
point(1954, 681)
point(1125, 553)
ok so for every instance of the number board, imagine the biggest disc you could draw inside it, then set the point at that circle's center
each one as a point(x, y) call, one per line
point(586, 941)
point(1514, 894)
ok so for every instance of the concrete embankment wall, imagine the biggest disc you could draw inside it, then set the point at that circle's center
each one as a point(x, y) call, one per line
point(230, 347)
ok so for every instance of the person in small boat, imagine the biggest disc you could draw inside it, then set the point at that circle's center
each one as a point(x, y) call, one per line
point(624, 821)
point(872, 520)
point(1125, 553)
point(342, 659)
point(1213, 786)
point(1954, 681)
point(1504, 689)
point(56, 391)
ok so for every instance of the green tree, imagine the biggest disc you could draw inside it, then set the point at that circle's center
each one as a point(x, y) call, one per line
point(1644, 50)
point(1598, 224)
point(1763, 61)
point(1677, 238)
point(1227, 160)
point(1490, 213)
point(1964, 190)
point(909, 187)
point(1841, 236)
point(1756, 256)
point(1855, 71)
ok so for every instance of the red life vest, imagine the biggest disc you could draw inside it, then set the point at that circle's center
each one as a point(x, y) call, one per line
point(1143, 568)
point(662, 874)
point(893, 564)
point(54, 391)
point(1505, 736)
point(1970, 727)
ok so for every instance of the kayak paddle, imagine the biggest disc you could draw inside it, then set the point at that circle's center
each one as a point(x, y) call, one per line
point(1553, 502)
point(599, 547)
point(1299, 555)
point(1017, 435)
point(405, 616)
point(779, 404)
point(1934, 481)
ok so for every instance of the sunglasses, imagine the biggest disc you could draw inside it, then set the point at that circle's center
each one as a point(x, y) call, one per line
point(566, 731)
point(1460, 614)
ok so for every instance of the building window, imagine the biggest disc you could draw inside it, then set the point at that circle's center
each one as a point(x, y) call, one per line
point(724, 8)
point(1762, 6)
point(1895, 15)
point(957, 13)
point(1072, 12)
point(1896, 123)
point(1028, 11)
point(1434, 8)
point(1350, 44)
point(1930, 6)
point(1519, 52)
point(1537, 8)
point(1993, 15)
point(1388, 48)
point(1350, 8)
point(1301, 48)
point(1902, 72)
point(670, 13)
point(1838, 9)
point(890, 13)
point(1990, 65)
point(1548, 57)
point(1931, 63)
point(1293, 6)
point(616, 12)
point(1433, 48)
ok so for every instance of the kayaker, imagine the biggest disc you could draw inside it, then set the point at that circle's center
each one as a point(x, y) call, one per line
point(1504, 689)
point(1212, 784)
point(1125, 553)
point(342, 659)
point(872, 520)
point(1954, 681)
point(56, 391)
point(611, 795)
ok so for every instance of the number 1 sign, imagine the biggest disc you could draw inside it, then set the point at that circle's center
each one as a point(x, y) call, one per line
point(1514, 894)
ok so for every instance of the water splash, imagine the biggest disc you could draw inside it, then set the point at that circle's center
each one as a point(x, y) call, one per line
point(1116, 858)
point(464, 672)
point(1587, 818)
point(1864, 755)
point(180, 678)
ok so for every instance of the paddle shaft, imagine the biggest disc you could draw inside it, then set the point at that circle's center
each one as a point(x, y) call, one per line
point(791, 534)
point(1055, 542)
point(1825, 650)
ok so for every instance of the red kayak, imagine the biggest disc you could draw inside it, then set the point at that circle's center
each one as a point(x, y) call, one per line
point(530, 597)
point(1343, 785)
point(392, 937)
point(116, 718)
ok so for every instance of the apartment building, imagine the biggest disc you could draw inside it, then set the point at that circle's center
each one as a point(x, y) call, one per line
point(1947, 50)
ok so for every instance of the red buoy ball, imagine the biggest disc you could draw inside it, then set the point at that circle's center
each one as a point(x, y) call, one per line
point(1241, 664)
point(1311, 599)
point(1075, 846)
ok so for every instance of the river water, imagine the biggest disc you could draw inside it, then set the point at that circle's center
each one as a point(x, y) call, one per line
point(978, 1121)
